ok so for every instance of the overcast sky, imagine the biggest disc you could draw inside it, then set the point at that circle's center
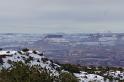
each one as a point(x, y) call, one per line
point(68, 16)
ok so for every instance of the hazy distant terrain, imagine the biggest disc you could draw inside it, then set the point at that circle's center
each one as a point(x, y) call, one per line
point(85, 49)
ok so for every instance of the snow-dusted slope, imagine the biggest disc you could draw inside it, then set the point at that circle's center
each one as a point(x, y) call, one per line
point(29, 58)
point(85, 77)
point(115, 74)
point(36, 58)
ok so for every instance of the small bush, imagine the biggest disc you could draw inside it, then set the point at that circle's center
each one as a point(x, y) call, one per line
point(34, 52)
point(8, 52)
point(19, 52)
point(44, 59)
point(67, 77)
point(25, 49)
point(71, 68)
point(40, 54)
point(23, 73)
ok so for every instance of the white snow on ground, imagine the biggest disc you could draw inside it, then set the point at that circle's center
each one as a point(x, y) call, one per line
point(7, 52)
point(85, 77)
point(115, 74)
point(36, 59)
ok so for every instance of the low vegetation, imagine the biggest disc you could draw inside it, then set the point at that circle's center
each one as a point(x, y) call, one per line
point(20, 72)
point(71, 68)
point(32, 66)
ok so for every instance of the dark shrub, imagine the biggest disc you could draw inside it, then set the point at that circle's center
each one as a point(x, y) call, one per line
point(25, 49)
point(44, 59)
point(29, 59)
point(40, 54)
point(9, 62)
point(23, 73)
point(34, 52)
point(1, 49)
point(8, 52)
point(38, 60)
point(71, 68)
point(19, 52)
point(68, 77)
point(1, 61)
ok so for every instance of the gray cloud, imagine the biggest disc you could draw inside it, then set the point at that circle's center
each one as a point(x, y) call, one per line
point(70, 16)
